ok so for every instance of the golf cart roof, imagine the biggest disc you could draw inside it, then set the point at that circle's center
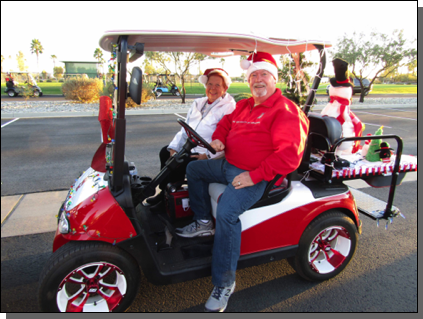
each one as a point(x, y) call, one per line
point(216, 44)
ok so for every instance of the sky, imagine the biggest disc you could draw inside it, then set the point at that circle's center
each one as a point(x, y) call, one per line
point(71, 30)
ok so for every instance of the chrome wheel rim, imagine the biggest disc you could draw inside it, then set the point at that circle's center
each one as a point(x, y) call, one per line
point(329, 249)
point(93, 287)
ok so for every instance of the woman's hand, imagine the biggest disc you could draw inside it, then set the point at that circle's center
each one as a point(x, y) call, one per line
point(200, 156)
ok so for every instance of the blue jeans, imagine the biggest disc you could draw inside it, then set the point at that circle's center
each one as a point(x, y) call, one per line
point(233, 202)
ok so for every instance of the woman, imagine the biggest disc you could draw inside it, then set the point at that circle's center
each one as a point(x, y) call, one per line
point(203, 117)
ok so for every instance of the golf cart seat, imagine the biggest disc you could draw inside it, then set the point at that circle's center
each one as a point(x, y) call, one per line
point(272, 194)
point(323, 132)
point(9, 83)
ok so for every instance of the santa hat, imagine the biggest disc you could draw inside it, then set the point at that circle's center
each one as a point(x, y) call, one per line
point(215, 71)
point(341, 74)
point(260, 61)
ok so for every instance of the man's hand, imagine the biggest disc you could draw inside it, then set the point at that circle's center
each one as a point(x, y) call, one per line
point(217, 145)
point(172, 152)
point(242, 180)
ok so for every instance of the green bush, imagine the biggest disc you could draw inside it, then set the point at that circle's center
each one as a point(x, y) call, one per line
point(241, 96)
point(83, 90)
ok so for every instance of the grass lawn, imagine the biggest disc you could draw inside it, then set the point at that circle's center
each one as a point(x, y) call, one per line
point(47, 88)
point(197, 88)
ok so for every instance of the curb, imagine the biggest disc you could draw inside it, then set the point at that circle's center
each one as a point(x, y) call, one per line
point(172, 111)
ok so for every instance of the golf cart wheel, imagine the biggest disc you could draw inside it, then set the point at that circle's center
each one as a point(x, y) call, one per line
point(158, 93)
point(177, 93)
point(11, 93)
point(37, 93)
point(88, 276)
point(326, 247)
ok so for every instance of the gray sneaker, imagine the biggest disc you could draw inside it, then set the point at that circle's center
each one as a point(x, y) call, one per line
point(219, 298)
point(195, 229)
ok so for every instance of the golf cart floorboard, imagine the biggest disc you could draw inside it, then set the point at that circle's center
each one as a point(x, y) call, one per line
point(183, 253)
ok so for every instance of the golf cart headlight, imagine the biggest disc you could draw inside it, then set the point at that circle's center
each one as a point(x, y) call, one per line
point(63, 224)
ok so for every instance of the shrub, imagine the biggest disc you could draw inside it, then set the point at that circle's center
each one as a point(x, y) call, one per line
point(242, 96)
point(146, 94)
point(83, 90)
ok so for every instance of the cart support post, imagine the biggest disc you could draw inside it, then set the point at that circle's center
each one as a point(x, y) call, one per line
point(317, 78)
point(395, 172)
point(120, 121)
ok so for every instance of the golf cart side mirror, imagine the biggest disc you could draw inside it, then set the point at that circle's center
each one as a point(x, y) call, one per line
point(135, 86)
point(136, 51)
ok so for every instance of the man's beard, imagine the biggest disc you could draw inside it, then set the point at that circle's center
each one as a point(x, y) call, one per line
point(255, 93)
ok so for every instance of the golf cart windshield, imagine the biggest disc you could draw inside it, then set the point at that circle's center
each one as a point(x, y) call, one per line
point(31, 80)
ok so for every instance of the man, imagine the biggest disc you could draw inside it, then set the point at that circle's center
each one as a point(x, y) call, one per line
point(264, 136)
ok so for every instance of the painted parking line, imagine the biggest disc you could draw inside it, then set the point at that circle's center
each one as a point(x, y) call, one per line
point(397, 117)
point(9, 122)
point(184, 118)
point(378, 125)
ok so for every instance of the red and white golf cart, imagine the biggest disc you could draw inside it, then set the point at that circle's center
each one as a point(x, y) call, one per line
point(105, 234)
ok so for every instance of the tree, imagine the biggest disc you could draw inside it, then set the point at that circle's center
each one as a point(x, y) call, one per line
point(21, 61)
point(412, 67)
point(182, 62)
point(2, 59)
point(38, 49)
point(296, 78)
point(54, 58)
point(98, 54)
point(375, 55)
point(222, 61)
point(58, 72)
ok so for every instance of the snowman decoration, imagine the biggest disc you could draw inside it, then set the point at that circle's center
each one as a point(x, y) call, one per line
point(340, 93)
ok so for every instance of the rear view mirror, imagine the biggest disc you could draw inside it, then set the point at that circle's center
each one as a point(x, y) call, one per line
point(135, 86)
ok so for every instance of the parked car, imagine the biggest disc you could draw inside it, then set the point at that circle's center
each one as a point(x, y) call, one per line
point(356, 86)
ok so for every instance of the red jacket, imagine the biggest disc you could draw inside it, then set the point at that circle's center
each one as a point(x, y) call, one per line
point(267, 139)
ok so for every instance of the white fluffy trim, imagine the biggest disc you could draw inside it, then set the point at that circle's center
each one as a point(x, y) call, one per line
point(203, 78)
point(263, 66)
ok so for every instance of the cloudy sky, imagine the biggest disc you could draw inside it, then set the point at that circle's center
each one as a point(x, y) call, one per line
point(71, 30)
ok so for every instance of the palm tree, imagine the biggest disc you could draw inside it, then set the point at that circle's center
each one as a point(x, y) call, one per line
point(53, 57)
point(37, 48)
point(98, 54)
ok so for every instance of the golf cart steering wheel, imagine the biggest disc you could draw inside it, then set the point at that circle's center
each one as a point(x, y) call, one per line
point(193, 136)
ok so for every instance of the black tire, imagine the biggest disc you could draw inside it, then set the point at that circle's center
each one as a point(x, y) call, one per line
point(326, 247)
point(11, 93)
point(37, 93)
point(159, 93)
point(87, 270)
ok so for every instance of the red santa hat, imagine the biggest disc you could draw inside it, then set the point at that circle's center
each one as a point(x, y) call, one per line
point(260, 61)
point(205, 77)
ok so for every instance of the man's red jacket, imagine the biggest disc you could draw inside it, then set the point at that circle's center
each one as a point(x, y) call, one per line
point(267, 139)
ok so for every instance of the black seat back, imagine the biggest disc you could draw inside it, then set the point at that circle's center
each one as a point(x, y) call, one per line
point(323, 132)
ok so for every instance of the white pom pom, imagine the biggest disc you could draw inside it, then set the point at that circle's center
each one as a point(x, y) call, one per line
point(203, 79)
point(245, 64)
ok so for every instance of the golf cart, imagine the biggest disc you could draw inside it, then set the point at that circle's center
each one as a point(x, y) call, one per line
point(18, 82)
point(105, 233)
point(160, 88)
